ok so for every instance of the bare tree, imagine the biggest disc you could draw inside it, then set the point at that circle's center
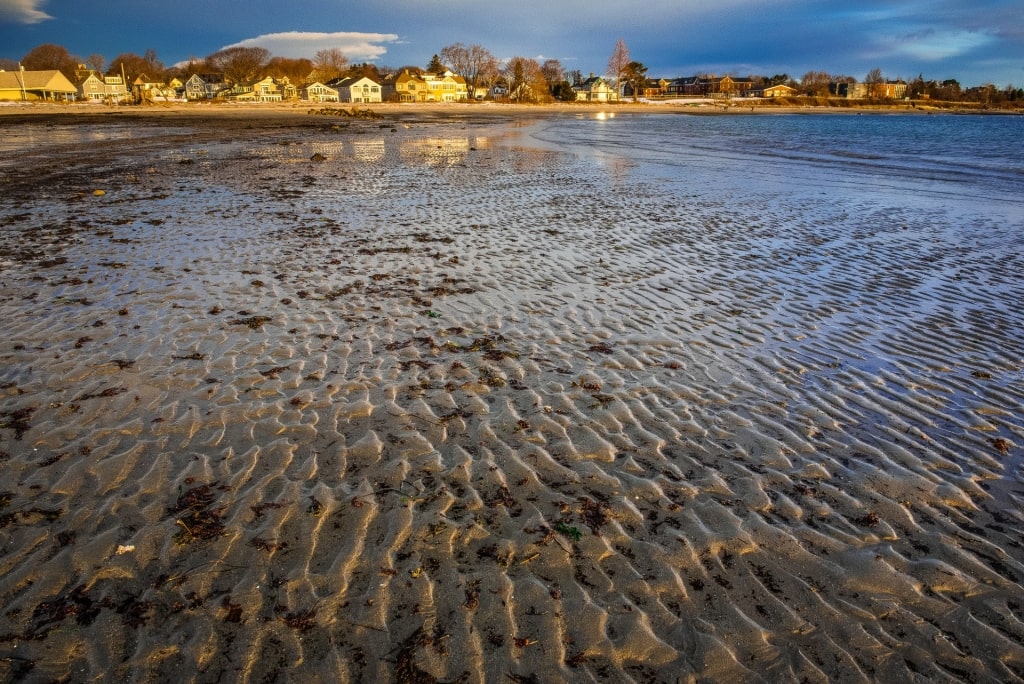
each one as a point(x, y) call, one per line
point(874, 82)
point(296, 70)
point(132, 66)
point(618, 62)
point(554, 72)
point(328, 65)
point(474, 63)
point(526, 80)
point(816, 82)
point(240, 64)
point(96, 63)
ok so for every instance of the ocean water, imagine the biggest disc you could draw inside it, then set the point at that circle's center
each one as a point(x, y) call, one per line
point(974, 158)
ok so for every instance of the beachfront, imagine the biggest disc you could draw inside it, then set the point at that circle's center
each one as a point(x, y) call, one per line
point(420, 399)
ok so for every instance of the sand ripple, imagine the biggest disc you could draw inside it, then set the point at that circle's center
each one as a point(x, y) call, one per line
point(443, 408)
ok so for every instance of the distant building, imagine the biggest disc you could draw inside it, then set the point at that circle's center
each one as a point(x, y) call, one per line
point(893, 90)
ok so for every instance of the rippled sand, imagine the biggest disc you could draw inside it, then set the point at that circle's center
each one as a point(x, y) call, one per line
point(413, 401)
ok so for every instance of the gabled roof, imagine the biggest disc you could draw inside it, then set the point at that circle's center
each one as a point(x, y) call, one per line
point(51, 80)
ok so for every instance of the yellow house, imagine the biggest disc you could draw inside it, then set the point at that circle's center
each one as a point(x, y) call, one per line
point(446, 87)
point(406, 87)
point(32, 86)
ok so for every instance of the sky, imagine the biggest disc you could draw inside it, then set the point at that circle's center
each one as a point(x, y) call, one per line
point(973, 41)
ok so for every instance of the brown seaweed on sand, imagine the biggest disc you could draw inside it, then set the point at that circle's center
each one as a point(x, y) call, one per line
point(198, 520)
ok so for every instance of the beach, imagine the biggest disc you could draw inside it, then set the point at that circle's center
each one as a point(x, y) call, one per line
point(426, 396)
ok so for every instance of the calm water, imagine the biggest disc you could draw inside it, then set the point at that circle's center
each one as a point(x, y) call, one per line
point(972, 158)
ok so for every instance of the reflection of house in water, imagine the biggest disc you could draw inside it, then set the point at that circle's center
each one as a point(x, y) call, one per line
point(369, 151)
point(441, 151)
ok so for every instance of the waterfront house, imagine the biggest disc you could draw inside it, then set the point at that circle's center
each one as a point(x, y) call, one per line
point(446, 87)
point(319, 92)
point(652, 88)
point(405, 87)
point(594, 89)
point(778, 90)
point(36, 85)
point(96, 88)
point(361, 90)
point(204, 86)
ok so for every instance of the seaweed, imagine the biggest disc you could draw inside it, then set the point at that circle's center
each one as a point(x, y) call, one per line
point(17, 420)
point(251, 322)
point(197, 519)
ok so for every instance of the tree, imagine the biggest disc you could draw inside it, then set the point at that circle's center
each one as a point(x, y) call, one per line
point(526, 80)
point(435, 66)
point(617, 63)
point(49, 56)
point(365, 70)
point(96, 63)
point(240, 64)
point(816, 83)
point(554, 72)
point(133, 66)
point(328, 65)
point(563, 92)
point(474, 63)
point(295, 70)
point(874, 82)
point(635, 74)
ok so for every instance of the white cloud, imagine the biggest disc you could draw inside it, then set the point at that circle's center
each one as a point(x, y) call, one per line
point(358, 47)
point(23, 11)
point(936, 44)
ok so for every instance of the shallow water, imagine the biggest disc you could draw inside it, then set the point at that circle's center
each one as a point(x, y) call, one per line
point(650, 398)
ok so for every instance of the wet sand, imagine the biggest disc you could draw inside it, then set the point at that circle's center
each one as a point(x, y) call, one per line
point(302, 398)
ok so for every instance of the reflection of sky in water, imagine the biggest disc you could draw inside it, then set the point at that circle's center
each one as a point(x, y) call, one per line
point(39, 137)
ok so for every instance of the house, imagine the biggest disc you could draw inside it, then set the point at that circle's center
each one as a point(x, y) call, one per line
point(318, 92)
point(681, 87)
point(430, 87)
point(96, 88)
point(724, 86)
point(350, 89)
point(405, 87)
point(36, 85)
point(779, 90)
point(652, 88)
point(595, 89)
point(264, 90)
point(146, 90)
point(446, 87)
point(204, 86)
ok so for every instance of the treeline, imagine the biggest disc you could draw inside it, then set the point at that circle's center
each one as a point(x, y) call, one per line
point(816, 84)
point(518, 77)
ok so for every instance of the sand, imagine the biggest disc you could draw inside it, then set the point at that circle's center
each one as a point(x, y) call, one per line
point(310, 398)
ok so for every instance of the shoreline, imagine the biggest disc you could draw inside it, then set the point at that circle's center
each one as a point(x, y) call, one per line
point(470, 111)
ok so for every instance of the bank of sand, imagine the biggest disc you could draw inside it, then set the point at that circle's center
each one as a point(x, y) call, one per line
point(409, 400)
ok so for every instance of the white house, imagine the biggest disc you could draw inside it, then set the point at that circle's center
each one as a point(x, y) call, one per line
point(357, 90)
point(318, 92)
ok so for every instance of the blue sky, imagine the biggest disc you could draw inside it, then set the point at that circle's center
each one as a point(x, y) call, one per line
point(974, 42)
